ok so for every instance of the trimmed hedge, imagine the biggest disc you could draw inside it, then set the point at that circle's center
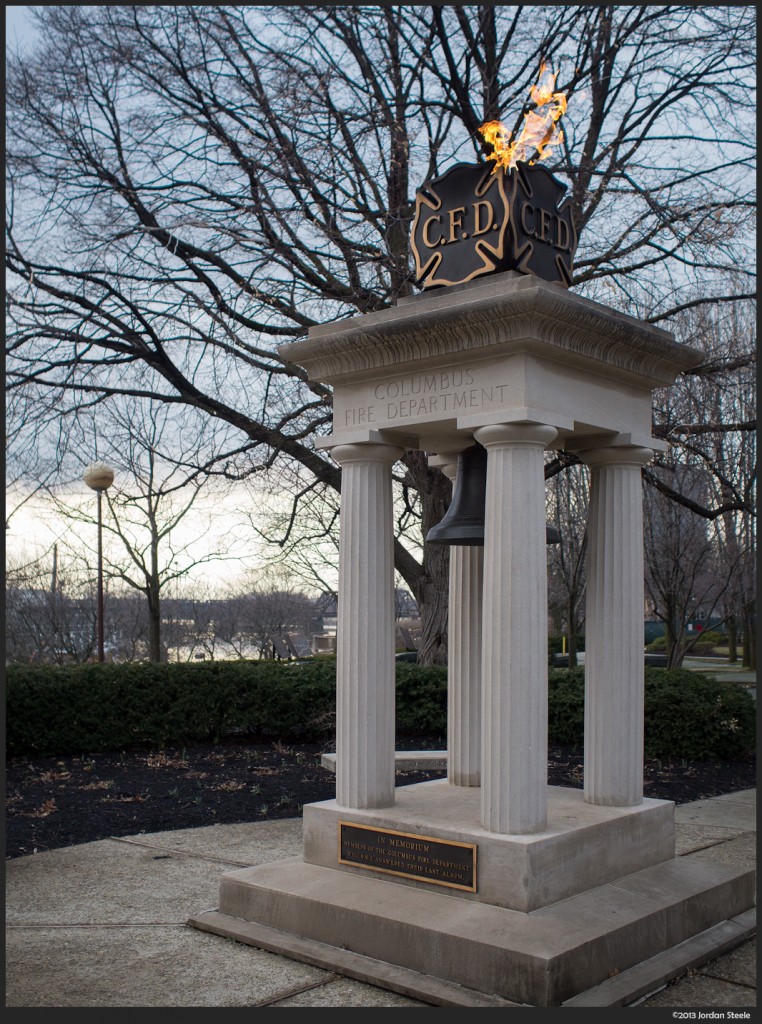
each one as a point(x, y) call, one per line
point(696, 718)
point(421, 700)
point(81, 709)
point(86, 709)
point(566, 707)
point(687, 715)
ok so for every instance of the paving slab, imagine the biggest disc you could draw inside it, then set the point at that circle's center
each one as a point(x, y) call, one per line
point(698, 990)
point(732, 810)
point(345, 992)
point(738, 966)
point(249, 843)
point(104, 924)
point(740, 851)
point(142, 966)
point(108, 882)
point(693, 836)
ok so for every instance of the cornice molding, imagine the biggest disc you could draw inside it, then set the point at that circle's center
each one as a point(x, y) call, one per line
point(504, 315)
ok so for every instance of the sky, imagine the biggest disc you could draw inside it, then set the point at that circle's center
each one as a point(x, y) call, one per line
point(34, 529)
point(19, 28)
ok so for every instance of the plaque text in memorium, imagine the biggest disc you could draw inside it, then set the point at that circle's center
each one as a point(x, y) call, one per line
point(439, 861)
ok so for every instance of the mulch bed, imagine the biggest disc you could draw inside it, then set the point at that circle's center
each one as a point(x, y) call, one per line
point(63, 801)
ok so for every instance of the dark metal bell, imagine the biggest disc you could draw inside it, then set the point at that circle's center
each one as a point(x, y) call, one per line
point(552, 535)
point(463, 522)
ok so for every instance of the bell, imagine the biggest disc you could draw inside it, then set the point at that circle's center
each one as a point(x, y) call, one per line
point(463, 522)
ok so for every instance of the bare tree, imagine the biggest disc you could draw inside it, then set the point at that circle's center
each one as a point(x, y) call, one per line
point(700, 495)
point(709, 419)
point(27, 472)
point(686, 579)
point(147, 509)
point(234, 618)
point(276, 612)
point(190, 186)
point(49, 614)
point(567, 499)
point(128, 631)
point(302, 540)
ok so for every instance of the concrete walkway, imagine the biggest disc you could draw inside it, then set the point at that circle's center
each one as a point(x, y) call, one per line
point(104, 924)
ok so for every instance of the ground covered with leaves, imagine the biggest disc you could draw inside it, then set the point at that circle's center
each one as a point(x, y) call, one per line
point(63, 801)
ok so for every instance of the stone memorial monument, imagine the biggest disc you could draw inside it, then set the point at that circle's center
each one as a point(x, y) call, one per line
point(489, 886)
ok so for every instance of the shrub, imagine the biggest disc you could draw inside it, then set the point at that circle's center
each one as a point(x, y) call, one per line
point(421, 700)
point(556, 644)
point(659, 643)
point(566, 707)
point(706, 643)
point(90, 708)
point(696, 718)
point(687, 715)
point(87, 709)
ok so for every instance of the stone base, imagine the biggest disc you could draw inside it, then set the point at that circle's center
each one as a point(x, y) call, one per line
point(584, 845)
point(575, 920)
point(538, 959)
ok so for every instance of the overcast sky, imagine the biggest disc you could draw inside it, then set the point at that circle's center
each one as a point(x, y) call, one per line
point(19, 29)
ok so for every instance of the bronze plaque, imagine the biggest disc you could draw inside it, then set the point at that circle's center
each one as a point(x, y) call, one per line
point(438, 861)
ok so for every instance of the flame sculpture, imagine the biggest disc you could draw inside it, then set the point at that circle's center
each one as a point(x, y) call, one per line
point(539, 134)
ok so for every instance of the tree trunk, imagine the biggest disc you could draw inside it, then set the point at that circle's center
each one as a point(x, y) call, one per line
point(571, 631)
point(429, 581)
point(674, 647)
point(749, 641)
point(154, 629)
point(432, 598)
point(732, 640)
point(154, 600)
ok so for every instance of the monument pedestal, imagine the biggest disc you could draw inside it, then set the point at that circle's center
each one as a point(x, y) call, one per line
point(548, 916)
point(497, 888)
point(583, 846)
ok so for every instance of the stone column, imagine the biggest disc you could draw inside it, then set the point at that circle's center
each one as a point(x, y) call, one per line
point(365, 726)
point(464, 648)
point(515, 630)
point(614, 628)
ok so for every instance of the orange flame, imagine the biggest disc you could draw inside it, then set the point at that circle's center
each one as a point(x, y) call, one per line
point(539, 134)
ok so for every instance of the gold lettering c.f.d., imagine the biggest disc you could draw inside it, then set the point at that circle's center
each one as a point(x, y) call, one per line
point(479, 228)
point(455, 220)
point(426, 239)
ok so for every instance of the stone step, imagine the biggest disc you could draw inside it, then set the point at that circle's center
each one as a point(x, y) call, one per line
point(541, 958)
point(404, 760)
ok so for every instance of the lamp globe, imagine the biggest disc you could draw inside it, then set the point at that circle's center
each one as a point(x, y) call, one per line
point(98, 476)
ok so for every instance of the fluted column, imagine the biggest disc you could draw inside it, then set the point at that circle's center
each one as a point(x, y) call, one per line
point(614, 628)
point(365, 727)
point(515, 630)
point(464, 647)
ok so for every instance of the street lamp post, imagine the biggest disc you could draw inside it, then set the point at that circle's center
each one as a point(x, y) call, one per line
point(99, 477)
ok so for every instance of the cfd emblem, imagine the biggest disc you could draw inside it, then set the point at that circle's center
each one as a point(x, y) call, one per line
point(473, 220)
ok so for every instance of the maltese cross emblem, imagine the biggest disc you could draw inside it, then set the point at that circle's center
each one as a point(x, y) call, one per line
point(476, 219)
